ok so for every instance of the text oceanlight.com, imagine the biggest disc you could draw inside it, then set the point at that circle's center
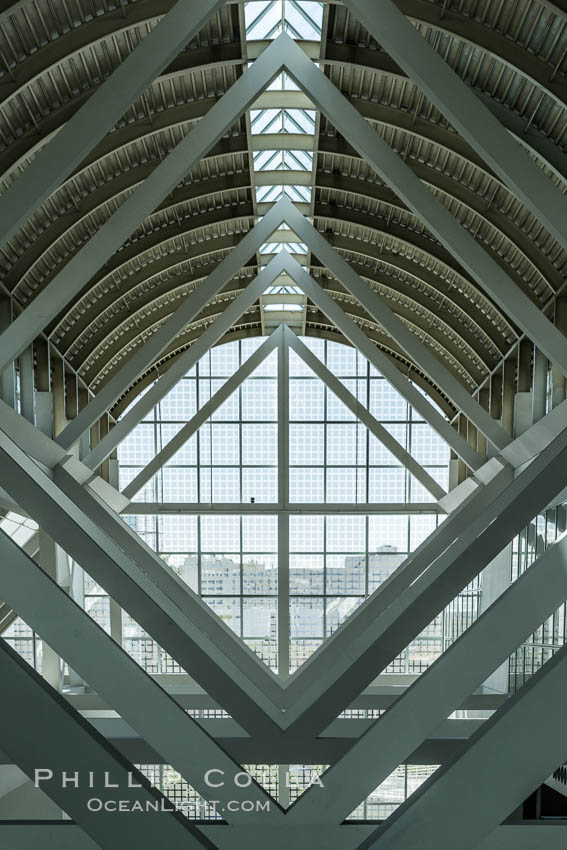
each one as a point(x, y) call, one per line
point(213, 778)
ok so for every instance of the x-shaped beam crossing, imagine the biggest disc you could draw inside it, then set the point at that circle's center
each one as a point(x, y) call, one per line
point(508, 511)
point(304, 705)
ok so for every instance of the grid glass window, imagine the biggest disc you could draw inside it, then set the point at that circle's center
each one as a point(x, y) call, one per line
point(228, 551)
point(543, 531)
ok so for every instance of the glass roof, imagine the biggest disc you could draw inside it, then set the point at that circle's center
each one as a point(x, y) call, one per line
point(299, 18)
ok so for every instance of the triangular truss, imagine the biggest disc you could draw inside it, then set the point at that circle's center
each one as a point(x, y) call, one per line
point(81, 513)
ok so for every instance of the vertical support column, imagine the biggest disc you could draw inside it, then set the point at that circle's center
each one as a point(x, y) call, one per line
point(58, 390)
point(508, 394)
point(484, 401)
point(523, 413)
point(496, 576)
point(94, 437)
point(104, 428)
point(116, 621)
point(495, 402)
point(496, 579)
point(82, 401)
point(67, 405)
point(8, 376)
point(51, 561)
point(472, 435)
point(27, 385)
point(42, 365)
point(283, 773)
point(48, 555)
point(71, 401)
point(539, 385)
point(56, 400)
point(283, 509)
point(115, 609)
point(43, 398)
point(113, 470)
point(453, 471)
point(557, 376)
point(463, 432)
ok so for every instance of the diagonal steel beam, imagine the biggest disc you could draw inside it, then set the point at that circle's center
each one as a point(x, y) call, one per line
point(143, 358)
point(383, 630)
point(207, 410)
point(486, 271)
point(163, 180)
point(185, 362)
point(347, 398)
point(498, 768)
point(467, 113)
point(442, 689)
point(377, 308)
point(101, 111)
point(381, 362)
point(97, 539)
point(121, 682)
point(284, 53)
point(39, 729)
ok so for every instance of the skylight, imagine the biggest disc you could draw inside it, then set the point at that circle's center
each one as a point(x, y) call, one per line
point(299, 18)
point(286, 115)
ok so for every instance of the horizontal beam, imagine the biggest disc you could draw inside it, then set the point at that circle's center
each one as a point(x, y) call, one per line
point(380, 695)
point(295, 508)
point(145, 587)
point(499, 767)
point(389, 620)
point(118, 679)
point(441, 746)
point(441, 689)
point(352, 403)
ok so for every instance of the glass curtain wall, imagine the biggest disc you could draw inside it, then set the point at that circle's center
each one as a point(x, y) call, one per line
point(336, 559)
point(527, 547)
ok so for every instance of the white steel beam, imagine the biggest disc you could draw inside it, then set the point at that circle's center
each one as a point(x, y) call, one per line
point(121, 682)
point(293, 508)
point(97, 539)
point(185, 362)
point(440, 690)
point(498, 768)
point(101, 112)
point(92, 256)
point(325, 749)
point(381, 433)
point(377, 308)
point(283, 517)
point(39, 729)
point(465, 111)
point(284, 53)
point(387, 622)
point(143, 358)
point(178, 441)
point(381, 362)
point(486, 271)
